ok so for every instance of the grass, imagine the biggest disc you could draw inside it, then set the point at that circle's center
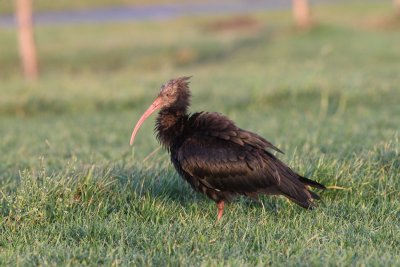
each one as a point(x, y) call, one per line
point(74, 193)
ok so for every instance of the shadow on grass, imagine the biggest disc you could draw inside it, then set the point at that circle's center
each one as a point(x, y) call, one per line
point(170, 187)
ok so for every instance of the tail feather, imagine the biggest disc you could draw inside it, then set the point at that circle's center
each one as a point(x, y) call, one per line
point(307, 204)
point(314, 195)
point(295, 188)
point(311, 183)
point(296, 191)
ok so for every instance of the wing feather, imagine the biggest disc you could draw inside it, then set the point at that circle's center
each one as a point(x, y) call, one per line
point(218, 157)
point(224, 165)
point(217, 125)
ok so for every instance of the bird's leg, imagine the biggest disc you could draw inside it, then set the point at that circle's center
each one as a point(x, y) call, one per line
point(220, 206)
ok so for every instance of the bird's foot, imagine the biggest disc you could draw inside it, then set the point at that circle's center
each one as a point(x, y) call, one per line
point(220, 206)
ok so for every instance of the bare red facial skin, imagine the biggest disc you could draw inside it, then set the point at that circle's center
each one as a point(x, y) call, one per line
point(157, 104)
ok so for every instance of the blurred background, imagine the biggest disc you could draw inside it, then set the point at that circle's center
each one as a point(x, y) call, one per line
point(76, 75)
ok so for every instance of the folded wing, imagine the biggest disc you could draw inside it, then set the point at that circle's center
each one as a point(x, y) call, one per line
point(225, 158)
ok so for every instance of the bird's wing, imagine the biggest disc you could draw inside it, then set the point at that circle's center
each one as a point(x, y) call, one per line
point(219, 126)
point(224, 157)
point(227, 166)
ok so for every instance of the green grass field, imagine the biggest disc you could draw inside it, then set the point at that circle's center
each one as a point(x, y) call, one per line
point(74, 193)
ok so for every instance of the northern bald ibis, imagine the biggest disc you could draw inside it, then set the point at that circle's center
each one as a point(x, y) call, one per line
point(216, 157)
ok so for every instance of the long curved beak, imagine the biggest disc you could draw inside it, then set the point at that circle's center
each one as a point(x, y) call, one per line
point(153, 107)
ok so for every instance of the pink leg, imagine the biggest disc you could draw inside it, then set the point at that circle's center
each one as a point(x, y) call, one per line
point(220, 206)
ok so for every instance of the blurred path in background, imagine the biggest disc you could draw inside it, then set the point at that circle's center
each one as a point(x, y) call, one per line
point(152, 12)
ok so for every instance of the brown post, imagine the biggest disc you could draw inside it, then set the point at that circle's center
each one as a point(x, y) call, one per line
point(27, 48)
point(301, 13)
point(396, 4)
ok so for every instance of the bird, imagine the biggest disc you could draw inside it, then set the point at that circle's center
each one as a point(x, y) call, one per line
point(219, 159)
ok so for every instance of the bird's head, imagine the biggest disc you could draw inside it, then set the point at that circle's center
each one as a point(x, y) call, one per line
point(174, 95)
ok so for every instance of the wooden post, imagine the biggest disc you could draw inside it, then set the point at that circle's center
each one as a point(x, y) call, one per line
point(396, 4)
point(27, 48)
point(301, 13)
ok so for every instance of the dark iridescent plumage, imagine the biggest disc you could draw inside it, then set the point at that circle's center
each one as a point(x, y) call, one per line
point(219, 159)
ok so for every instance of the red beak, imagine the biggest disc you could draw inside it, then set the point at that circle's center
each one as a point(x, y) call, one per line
point(156, 105)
